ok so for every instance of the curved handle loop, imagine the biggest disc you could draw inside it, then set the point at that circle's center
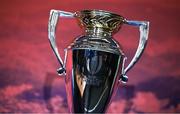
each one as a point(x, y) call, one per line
point(53, 20)
point(144, 30)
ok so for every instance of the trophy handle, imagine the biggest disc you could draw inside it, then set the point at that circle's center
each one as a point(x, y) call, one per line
point(53, 20)
point(144, 30)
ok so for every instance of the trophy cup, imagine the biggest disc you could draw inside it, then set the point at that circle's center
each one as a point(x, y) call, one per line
point(94, 63)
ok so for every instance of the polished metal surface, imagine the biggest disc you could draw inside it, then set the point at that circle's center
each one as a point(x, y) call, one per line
point(92, 81)
point(53, 20)
point(94, 63)
point(97, 43)
point(144, 31)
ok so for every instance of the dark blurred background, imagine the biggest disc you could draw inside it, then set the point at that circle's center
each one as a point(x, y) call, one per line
point(28, 79)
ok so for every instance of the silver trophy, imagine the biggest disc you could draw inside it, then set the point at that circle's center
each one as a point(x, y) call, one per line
point(94, 63)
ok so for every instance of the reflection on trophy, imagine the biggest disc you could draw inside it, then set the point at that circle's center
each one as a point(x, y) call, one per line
point(94, 63)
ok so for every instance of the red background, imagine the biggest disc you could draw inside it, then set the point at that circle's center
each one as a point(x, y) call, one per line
point(28, 79)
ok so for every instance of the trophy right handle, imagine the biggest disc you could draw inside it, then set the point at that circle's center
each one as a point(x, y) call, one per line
point(144, 31)
point(53, 20)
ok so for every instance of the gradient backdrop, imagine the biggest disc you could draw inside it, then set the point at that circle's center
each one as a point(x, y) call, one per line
point(28, 79)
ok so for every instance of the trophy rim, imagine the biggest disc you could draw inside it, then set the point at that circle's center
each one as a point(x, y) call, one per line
point(100, 12)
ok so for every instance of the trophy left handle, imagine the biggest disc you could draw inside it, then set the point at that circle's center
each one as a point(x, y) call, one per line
point(53, 20)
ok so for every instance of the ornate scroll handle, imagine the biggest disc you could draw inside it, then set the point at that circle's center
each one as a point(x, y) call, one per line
point(144, 30)
point(53, 20)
